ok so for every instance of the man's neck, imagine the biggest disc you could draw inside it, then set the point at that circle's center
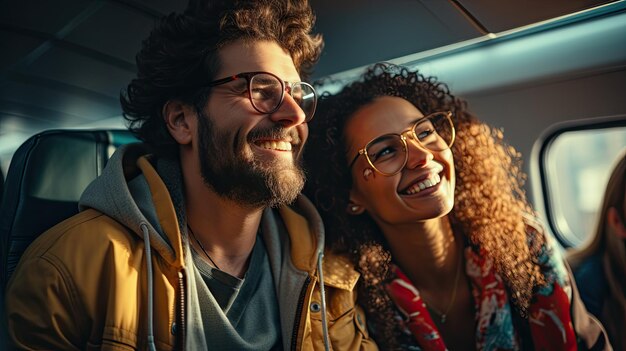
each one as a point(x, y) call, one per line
point(222, 229)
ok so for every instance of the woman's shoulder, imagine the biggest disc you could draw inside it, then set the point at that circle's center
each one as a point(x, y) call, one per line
point(592, 284)
point(589, 269)
point(540, 241)
point(548, 255)
point(535, 229)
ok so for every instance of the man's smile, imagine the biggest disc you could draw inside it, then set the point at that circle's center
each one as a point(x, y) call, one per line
point(278, 145)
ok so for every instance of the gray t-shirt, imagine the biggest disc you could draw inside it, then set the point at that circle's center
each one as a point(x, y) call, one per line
point(239, 314)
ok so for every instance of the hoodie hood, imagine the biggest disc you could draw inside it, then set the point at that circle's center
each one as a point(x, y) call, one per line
point(130, 191)
point(305, 227)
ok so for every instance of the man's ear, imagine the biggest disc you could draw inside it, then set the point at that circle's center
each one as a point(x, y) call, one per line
point(615, 223)
point(181, 120)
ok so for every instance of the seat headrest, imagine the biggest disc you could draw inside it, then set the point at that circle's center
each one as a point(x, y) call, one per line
point(1, 183)
point(46, 177)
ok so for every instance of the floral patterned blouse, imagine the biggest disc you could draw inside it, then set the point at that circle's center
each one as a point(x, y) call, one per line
point(548, 325)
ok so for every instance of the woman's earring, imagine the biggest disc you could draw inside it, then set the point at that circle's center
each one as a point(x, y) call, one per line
point(367, 172)
point(354, 209)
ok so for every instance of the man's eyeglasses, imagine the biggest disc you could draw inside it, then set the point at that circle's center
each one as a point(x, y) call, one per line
point(388, 153)
point(266, 92)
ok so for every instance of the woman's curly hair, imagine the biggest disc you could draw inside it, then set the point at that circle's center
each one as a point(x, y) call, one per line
point(490, 203)
point(181, 55)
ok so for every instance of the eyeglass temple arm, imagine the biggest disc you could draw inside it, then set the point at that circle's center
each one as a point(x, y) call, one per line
point(361, 152)
point(222, 81)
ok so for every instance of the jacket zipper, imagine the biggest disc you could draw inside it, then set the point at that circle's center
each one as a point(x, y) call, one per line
point(296, 326)
point(181, 315)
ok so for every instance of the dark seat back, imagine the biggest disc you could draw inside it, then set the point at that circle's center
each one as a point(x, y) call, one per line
point(1, 184)
point(46, 177)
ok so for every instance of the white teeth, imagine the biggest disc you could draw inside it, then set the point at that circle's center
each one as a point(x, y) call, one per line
point(425, 184)
point(275, 145)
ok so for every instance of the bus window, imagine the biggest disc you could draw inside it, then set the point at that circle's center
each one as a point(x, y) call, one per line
point(575, 161)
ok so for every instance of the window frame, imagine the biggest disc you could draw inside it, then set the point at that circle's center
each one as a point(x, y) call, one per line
point(539, 173)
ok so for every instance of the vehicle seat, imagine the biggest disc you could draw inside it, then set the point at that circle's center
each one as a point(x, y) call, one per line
point(46, 177)
point(1, 184)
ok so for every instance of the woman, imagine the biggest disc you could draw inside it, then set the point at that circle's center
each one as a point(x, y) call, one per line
point(600, 265)
point(428, 203)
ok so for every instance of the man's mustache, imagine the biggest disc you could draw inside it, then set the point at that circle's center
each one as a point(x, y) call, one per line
point(275, 133)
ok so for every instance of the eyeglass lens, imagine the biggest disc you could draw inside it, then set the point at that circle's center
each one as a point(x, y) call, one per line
point(388, 153)
point(266, 92)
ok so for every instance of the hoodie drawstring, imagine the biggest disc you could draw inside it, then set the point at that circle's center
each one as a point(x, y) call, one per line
point(320, 275)
point(150, 331)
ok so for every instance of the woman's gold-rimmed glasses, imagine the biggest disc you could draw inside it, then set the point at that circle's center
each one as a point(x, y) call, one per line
point(388, 153)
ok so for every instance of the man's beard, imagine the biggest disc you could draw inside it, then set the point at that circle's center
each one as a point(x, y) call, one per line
point(246, 181)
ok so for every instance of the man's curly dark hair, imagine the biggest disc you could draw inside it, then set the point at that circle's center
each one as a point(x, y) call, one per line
point(181, 55)
point(490, 204)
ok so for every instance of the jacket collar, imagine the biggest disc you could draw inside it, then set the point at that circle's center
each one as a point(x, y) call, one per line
point(307, 241)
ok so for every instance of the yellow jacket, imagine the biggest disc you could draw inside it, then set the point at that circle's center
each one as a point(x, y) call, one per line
point(84, 284)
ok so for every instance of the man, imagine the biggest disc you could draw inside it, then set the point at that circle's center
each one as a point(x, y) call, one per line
point(189, 241)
